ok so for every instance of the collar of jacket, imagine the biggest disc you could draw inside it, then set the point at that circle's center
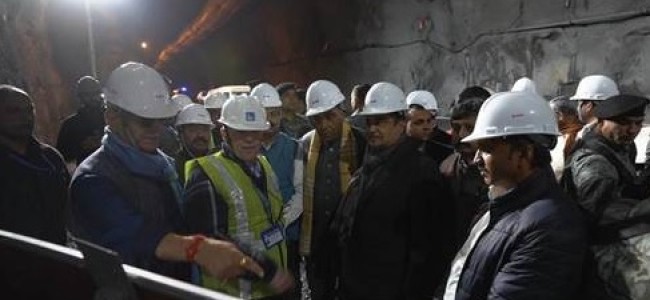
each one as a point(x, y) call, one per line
point(621, 156)
point(529, 190)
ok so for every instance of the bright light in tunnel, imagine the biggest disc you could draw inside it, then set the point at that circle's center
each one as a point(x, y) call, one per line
point(183, 89)
point(144, 45)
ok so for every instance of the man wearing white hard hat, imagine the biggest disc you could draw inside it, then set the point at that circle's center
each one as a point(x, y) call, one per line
point(421, 124)
point(285, 155)
point(234, 194)
point(213, 102)
point(590, 91)
point(391, 226)
point(195, 134)
point(334, 151)
point(126, 195)
point(531, 242)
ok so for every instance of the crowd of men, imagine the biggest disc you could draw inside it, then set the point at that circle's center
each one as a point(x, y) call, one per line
point(268, 195)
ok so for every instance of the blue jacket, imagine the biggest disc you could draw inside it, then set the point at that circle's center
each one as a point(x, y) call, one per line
point(121, 200)
point(282, 155)
point(533, 247)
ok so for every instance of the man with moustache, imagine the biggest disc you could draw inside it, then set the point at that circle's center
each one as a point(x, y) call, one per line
point(458, 170)
point(393, 223)
point(334, 151)
point(194, 132)
point(421, 124)
point(126, 196)
point(33, 189)
point(530, 244)
point(234, 194)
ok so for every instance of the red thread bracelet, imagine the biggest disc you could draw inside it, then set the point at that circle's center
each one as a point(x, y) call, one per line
point(193, 248)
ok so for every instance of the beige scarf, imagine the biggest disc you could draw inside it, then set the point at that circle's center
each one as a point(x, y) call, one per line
point(347, 166)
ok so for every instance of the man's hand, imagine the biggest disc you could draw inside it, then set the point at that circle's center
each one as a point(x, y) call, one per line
point(282, 281)
point(223, 260)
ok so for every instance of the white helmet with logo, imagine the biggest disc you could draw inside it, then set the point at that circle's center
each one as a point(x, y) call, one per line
point(181, 100)
point(267, 95)
point(215, 100)
point(514, 113)
point(422, 98)
point(194, 114)
point(524, 84)
point(322, 95)
point(595, 87)
point(244, 113)
point(383, 98)
point(140, 90)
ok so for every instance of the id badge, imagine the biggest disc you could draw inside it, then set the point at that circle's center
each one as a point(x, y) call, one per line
point(272, 236)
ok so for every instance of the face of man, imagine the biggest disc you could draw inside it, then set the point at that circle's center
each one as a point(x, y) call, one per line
point(499, 163)
point(585, 111)
point(245, 144)
point(622, 130)
point(196, 137)
point(292, 103)
point(274, 116)
point(460, 129)
point(143, 134)
point(384, 130)
point(420, 123)
point(91, 99)
point(16, 117)
point(215, 114)
point(329, 124)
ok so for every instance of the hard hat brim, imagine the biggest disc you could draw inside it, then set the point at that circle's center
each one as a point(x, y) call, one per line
point(240, 127)
point(371, 112)
point(315, 111)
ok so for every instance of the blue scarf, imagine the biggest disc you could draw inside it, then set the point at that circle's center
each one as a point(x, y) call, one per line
point(156, 166)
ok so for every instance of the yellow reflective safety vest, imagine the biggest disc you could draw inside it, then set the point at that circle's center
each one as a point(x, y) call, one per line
point(248, 218)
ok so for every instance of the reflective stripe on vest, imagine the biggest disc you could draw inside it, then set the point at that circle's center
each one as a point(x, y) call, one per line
point(247, 217)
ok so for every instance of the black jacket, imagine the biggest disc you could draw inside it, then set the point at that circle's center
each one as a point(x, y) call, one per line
point(33, 192)
point(393, 227)
point(533, 247)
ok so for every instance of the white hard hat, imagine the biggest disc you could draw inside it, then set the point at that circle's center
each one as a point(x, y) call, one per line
point(322, 95)
point(595, 87)
point(194, 114)
point(423, 98)
point(383, 98)
point(244, 113)
point(513, 113)
point(215, 100)
point(181, 100)
point(140, 90)
point(267, 95)
point(524, 84)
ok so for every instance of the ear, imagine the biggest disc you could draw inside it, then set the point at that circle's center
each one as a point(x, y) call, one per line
point(224, 133)
point(112, 117)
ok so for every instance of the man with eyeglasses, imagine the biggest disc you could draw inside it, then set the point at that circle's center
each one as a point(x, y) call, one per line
point(126, 196)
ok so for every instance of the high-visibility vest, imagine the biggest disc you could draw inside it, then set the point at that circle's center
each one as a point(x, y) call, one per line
point(247, 218)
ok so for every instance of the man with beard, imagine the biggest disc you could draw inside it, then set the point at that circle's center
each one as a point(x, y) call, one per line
point(81, 133)
point(393, 225)
point(600, 175)
point(286, 158)
point(33, 189)
point(334, 151)
point(194, 131)
point(467, 188)
point(591, 90)
point(530, 244)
